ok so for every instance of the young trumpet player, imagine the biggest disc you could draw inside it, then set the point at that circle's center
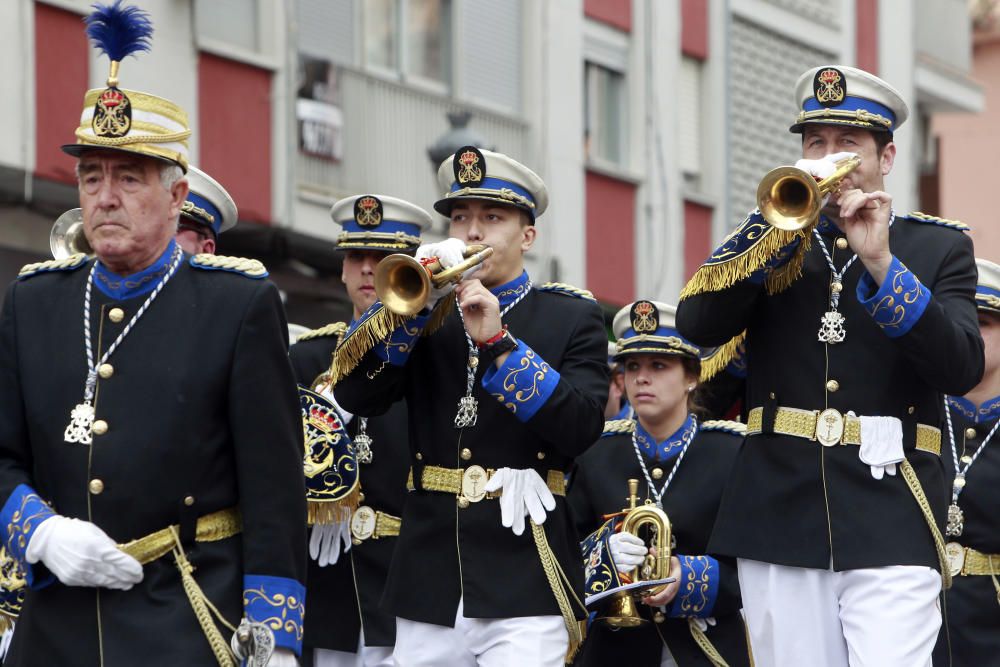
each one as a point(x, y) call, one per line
point(856, 324)
point(681, 464)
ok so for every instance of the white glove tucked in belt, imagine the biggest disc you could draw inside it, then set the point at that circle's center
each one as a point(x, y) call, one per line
point(283, 657)
point(524, 493)
point(325, 541)
point(449, 252)
point(627, 551)
point(881, 444)
point(81, 554)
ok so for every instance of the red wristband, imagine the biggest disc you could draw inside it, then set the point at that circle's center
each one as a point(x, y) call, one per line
point(493, 339)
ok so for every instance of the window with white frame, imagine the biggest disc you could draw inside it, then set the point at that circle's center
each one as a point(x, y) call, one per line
point(408, 38)
point(689, 101)
point(604, 111)
point(232, 23)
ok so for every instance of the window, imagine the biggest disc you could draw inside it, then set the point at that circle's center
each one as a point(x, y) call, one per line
point(604, 115)
point(229, 22)
point(409, 38)
point(690, 114)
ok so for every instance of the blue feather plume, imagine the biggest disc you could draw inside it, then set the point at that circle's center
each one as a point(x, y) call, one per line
point(119, 31)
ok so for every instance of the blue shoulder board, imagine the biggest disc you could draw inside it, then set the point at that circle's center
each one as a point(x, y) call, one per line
point(917, 216)
point(251, 268)
point(617, 427)
point(736, 428)
point(71, 263)
point(568, 290)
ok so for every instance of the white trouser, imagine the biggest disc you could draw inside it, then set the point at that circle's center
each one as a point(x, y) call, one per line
point(367, 656)
point(873, 617)
point(529, 641)
point(666, 659)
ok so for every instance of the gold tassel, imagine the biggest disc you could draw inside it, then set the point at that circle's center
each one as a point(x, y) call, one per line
point(557, 580)
point(716, 363)
point(352, 349)
point(334, 511)
point(703, 642)
point(715, 277)
point(441, 312)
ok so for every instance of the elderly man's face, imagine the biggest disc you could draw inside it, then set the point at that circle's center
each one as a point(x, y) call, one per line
point(128, 216)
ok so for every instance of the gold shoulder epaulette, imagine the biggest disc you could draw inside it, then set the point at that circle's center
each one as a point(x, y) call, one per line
point(333, 329)
point(569, 290)
point(940, 222)
point(618, 426)
point(251, 268)
point(736, 428)
point(68, 264)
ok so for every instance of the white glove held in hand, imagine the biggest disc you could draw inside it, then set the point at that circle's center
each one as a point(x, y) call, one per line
point(627, 551)
point(81, 554)
point(524, 493)
point(881, 444)
point(325, 540)
point(282, 657)
point(449, 252)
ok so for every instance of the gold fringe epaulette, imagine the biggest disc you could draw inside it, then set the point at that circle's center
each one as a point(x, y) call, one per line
point(251, 268)
point(736, 428)
point(748, 248)
point(941, 222)
point(718, 360)
point(68, 264)
point(617, 427)
point(333, 329)
point(568, 290)
point(371, 331)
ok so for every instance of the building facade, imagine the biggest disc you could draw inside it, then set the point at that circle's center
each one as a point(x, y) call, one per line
point(651, 121)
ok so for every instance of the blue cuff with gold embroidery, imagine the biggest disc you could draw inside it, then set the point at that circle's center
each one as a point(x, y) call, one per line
point(21, 516)
point(279, 603)
point(397, 347)
point(898, 303)
point(524, 382)
point(699, 586)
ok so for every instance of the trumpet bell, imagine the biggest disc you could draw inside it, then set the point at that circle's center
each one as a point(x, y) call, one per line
point(402, 284)
point(621, 612)
point(66, 236)
point(789, 198)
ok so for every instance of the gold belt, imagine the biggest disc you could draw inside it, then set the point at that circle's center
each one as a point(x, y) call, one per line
point(367, 523)
point(966, 561)
point(830, 428)
point(469, 483)
point(210, 528)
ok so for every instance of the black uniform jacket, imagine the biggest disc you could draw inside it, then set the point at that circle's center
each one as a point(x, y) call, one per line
point(446, 552)
point(346, 594)
point(201, 406)
point(971, 605)
point(599, 487)
point(791, 501)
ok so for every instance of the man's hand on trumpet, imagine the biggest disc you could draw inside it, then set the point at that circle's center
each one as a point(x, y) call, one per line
point(865, 220)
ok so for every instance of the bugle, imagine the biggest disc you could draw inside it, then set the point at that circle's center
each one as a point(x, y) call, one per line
point(403, 284)
point(790, 198)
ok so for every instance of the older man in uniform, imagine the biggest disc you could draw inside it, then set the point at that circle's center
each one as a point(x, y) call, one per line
point(346, 626)
point(972, 468)
point(145, 537)
point(505, 382)
point(856, 325)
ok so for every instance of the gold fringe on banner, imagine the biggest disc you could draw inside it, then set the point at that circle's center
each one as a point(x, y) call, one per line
point(719, 276)
point(716, 363)
point(372, 331)
point(333, 511)
point(441, 312)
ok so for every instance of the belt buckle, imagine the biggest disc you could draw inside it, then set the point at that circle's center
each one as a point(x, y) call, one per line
point(474, 483)
point(363, 524)
point(829, 427)
point(956, 557)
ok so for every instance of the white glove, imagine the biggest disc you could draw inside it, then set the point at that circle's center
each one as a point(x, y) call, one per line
point(703, 623)
point(345, 416)
point(822, 168)
point(8, 635)
point(449, 252)
point(81, 554)
point(524, 492)
point(627, 551)
point(881, 444)
point(283, 657)
point(325, 540)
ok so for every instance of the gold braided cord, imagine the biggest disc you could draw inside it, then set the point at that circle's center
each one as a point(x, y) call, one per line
point(716, 363)
point(143, 102)
point(372, 331)
point(250, 267)
point(567, 289)
point(705, 644)
point(635, 344)
point(502, 193)
point(332, 329)
point(619, 426)
point(203, 608)
point(912, 481)
point(71, 262)
point(723, 425)
point(845, 116)
point(153, 150)
point(190, 208)
point(387, 239)
point(920, 216)
point(552, 573)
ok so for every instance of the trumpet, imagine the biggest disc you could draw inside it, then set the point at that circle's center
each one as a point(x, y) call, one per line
point(622, 611)
point(790, 198)
point(403, 284)
point(66, 236)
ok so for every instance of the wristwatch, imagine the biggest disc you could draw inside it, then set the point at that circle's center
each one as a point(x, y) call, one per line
point(506, 343)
